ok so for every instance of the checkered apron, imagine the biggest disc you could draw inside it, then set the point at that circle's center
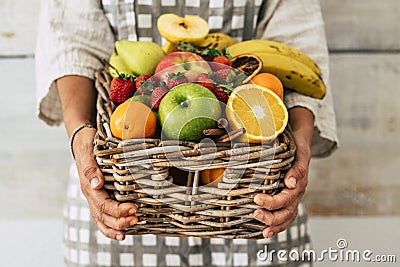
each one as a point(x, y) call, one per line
point(136, 20)
point(85, 245)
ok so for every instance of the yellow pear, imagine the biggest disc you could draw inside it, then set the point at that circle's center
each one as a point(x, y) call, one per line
point(139, 57)
point(118, 66)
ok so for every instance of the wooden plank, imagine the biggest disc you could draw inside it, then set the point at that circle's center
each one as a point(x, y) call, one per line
point(362, 24)
point(18, 26)
point(379, 235)
point(34, 158)
point(356, 24)
point(361, 178)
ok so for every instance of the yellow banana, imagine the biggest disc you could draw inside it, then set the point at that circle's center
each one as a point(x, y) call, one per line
point(293, 74)
point(267, 46)
point(168, 47)
point(217, 41)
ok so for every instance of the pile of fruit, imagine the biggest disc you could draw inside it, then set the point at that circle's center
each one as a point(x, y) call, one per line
point(200, 84)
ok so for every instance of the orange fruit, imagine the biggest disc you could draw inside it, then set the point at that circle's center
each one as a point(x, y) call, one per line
point(248, 64)
point(258, 110)
point(133, 120)
point(211, 175)
point(269, 81)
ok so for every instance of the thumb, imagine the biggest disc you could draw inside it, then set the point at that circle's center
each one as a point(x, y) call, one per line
point(92, 173)
point(290, 181)
point(294, 174)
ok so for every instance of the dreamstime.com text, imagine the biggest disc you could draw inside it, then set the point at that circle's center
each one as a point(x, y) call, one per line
point(340, 253)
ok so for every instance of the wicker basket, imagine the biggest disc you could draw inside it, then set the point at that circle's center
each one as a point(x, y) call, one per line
point(141, 171)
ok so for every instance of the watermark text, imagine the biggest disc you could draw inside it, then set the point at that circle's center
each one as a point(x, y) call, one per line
point(340, 253)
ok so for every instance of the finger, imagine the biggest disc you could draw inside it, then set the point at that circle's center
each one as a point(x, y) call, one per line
point(116, 223)
point(104, 204)
point(275, 229)
point(284, 199)
point(274, 218)
point(299, 170)
point(109, 232)
point(296, 173)
point(92, 174)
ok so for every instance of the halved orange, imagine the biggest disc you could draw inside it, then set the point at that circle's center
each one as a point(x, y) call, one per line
point(257, 109)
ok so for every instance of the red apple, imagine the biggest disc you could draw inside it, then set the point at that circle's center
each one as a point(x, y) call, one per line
point(188, 63)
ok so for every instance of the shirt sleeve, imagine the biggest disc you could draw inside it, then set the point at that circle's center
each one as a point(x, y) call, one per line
point(74, 37)
point(300, 25)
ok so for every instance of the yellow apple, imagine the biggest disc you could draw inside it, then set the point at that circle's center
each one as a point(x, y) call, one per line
point(191, 29)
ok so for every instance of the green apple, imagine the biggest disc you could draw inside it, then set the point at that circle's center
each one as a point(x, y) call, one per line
point(187, 110)
point(158, 127)
point(139, 57)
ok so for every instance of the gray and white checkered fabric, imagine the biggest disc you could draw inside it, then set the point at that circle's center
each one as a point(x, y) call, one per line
point(85, 245)
point(136, 20)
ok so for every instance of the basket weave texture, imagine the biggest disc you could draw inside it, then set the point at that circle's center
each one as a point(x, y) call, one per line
point(144, 171)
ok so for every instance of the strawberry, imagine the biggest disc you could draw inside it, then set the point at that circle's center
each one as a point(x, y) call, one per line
point(121, 88)
point(209, 54)
point(222, 93)
point(140, 81)
point(224, 76)
point(157, 95)
point(207, 58)
point(221, 62)
point(204, 80)
point(175, 79)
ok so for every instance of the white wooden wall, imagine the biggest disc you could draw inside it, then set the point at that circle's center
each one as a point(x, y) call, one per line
point(18, 23)
point(361, 178)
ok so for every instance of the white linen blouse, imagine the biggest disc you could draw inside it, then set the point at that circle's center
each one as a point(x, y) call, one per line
point(74, 36)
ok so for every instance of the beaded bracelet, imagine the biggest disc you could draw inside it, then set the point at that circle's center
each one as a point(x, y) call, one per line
point(71, 140)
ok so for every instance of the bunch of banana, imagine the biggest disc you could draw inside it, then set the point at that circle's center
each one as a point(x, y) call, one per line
point(216, 40)
point(168, 47)
point(295, 69)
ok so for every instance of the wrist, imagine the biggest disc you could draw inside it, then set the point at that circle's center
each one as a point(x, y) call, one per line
point(303, 151)
point(81, 141)
point(301, 121)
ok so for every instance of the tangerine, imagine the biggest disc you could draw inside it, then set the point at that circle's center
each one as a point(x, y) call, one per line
point(133, 120)
point(211, 175)
point(269, 81)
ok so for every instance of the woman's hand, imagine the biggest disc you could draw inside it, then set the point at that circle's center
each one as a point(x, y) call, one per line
point(110, 216)
point(78, 101)
point(280, 210)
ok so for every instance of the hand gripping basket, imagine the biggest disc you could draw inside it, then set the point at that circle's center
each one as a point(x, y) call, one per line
point(142, 171)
